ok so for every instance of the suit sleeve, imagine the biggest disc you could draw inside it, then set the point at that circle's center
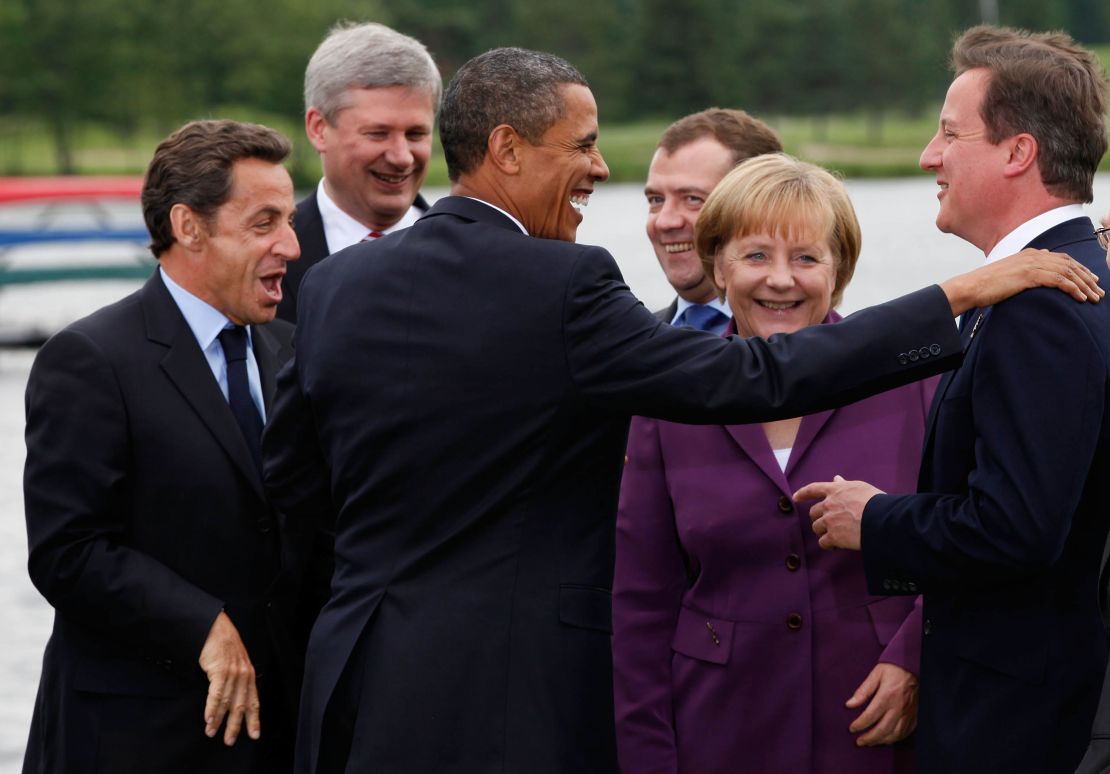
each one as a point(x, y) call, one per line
point(76, 484)
point(1036, 430)
point(621, 358)
point(648, 585)
point(904, 648)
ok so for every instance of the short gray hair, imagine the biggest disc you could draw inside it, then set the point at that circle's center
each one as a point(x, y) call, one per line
point(511, 86)
point(366, 56)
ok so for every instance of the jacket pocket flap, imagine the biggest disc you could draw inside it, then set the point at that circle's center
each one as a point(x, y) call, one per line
point(702, 636)
point(588, 607)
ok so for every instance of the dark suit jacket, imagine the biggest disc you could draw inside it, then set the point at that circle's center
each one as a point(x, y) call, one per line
point(1005, 535)
point(467, 422)
point(309, 228)
point(145, 518)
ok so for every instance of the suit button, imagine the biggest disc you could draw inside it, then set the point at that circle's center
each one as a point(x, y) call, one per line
point(626, 459)
point(264, 524)
point(927, 627)
point(924, 352)
point(793, 562)
point(913, 355)
point(911, 587)
point(794, 622)
point(785, 505)
point(934, 348)
point(903, 359)
point(887, 585)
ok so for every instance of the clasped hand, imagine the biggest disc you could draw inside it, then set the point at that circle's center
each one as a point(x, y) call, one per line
point(837, 515)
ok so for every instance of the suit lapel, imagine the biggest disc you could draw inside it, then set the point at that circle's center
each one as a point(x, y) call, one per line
point(807, 434)
point(187, 368)
point(753, 441)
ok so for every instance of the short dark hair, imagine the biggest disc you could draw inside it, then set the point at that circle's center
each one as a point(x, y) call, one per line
point(193, 167)
point(511, 86)
point(742, 134)
point(1046, 85)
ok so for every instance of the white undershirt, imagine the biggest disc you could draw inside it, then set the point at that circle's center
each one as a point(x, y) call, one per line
point(782, 456)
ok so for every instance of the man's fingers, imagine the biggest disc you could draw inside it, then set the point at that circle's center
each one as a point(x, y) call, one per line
point(216, 706)
point(254, 711)
point(871, 715)
point(243, 677)
point(816, 490)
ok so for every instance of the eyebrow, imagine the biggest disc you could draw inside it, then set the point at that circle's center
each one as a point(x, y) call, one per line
point(588, 139)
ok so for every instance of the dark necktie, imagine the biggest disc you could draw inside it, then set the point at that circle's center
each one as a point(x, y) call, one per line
point(234, 342)
point(701, 317)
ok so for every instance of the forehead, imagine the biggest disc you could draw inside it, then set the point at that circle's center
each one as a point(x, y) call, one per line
point(965, 96)
point(579, 112)
point(700, 164)
point(386, 105)
point(257, 185)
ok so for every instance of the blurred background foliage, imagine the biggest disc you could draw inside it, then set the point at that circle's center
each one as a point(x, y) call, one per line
point(853, 84)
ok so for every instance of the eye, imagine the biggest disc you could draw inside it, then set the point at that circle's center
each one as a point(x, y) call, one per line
point(755, 257)
point(417, 135)
point(376, 135)
point(694, 202)
point(655, 201)
point(805, 258)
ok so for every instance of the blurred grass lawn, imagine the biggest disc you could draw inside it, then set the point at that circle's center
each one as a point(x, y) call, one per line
point(854, 144)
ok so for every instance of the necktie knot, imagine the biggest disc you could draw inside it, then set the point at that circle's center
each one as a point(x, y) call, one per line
point(234, 342)
point(701, 317)
point(374, 234)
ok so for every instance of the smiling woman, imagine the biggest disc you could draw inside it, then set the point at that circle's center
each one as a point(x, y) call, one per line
point(821, 672)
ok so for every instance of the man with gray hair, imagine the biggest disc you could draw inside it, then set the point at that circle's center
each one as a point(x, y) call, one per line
point(464, 424)
point(370, 96)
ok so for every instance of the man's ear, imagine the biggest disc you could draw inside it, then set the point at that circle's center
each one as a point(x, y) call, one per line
point(505, 147)
point(314, 126)
point(189, 229)
point(1023, 151)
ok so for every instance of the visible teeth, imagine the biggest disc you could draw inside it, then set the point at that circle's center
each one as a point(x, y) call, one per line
point(679, 247)
point(778, 307)
point(578, 201)
point(391, 178)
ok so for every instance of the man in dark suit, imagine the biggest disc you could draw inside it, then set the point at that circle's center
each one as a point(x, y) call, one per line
point(465, 425)
point(693, 154)
point(148, 526)
point(1004, 536)
point(370, 96)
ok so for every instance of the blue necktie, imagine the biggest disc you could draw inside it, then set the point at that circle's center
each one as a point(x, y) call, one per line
point(701, 317)
point(234, 342)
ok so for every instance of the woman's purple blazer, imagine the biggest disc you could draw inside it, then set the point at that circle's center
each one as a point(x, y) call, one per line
point(736, 638)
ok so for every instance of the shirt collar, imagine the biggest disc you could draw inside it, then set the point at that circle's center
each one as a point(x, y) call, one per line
point(507, 215)
point(1031, 229)
point(716, 303)
point(204, 320)
point(341, 230)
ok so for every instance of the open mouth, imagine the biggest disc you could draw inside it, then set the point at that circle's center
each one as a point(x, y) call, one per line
point(778, 306)
point(679, 247)
point(579, 201)
point(390, 179)
point(271, 284)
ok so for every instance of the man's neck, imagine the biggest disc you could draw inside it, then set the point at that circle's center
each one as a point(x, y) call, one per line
point(1021, 210)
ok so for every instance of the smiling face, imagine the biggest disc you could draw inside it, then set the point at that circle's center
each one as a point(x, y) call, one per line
point(776, 283)
point(561, 170)
point(677, 186)
point(375, 155)
point(241, 255)
point(968, 167)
